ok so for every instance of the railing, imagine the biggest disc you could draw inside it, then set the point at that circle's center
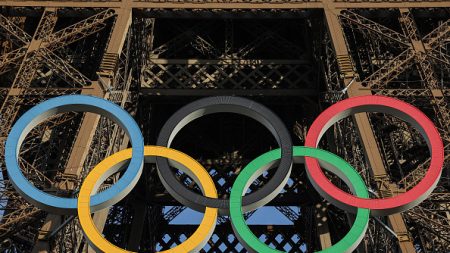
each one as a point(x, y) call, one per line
point(227, 74)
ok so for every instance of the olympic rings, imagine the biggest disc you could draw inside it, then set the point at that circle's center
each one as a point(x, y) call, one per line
point(61, 104)
point(328, 161)
point(237, 105)
point(163, 156)
point(114, 163)
point(400, 109)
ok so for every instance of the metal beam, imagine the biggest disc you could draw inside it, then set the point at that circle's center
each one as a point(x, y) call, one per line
point(239, 4)
point(365, 130)
point(145, 91)
point(90, 121)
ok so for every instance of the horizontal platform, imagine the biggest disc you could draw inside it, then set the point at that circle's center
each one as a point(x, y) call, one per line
point(234, 4)
point(227, 92)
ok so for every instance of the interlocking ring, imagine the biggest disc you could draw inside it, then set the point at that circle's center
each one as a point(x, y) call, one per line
point(61, 104)
point(237, 105)
point(328, 161)
point(114, 163)
point(314, 158)
point(400, 109)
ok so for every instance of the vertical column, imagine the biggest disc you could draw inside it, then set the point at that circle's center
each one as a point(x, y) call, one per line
point(106, 72)
point(137, 226)
point(364, 128)
point(323, 231)
point(89, 124)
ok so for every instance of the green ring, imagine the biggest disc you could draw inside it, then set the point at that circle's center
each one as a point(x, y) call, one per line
point(347, 244)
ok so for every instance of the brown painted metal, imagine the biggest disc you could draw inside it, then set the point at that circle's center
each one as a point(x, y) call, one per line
point(27, 54)
point(366, 133)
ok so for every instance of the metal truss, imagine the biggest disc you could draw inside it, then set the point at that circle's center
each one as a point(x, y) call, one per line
point(397, 143)
point(117, 50)
point(232, 69)
point(21, 222)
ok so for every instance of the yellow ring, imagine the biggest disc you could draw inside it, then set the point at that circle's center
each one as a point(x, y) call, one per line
point(112, 164)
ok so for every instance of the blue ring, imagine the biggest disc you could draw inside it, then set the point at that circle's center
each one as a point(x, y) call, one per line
point(56, 105)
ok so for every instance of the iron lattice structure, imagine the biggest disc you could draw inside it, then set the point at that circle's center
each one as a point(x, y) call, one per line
point(295, 56)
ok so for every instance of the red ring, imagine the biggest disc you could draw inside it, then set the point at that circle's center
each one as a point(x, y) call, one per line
point(389, 105)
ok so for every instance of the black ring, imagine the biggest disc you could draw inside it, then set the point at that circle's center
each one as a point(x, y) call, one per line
point(237, 105)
